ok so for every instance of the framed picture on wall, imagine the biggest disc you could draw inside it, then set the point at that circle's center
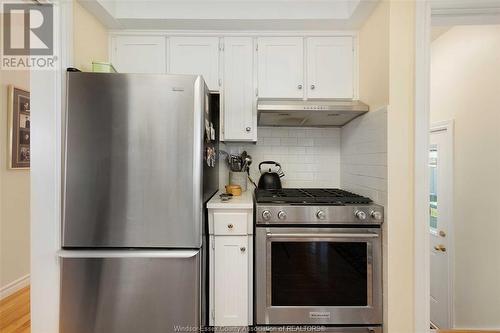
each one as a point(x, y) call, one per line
point(19, 128)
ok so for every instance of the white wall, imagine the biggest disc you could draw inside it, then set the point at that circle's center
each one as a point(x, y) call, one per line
point(465, 86)
point(14, 199)
point(310, 157)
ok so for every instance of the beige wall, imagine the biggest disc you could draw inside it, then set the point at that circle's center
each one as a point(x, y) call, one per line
point(400, 213)
point(374, 90)
point(386, 75)
point(14, 196)
point(465, 87)
point(374, 58)
point(90, 39)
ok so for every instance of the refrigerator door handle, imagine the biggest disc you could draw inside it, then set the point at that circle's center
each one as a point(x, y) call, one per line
point(180, 254)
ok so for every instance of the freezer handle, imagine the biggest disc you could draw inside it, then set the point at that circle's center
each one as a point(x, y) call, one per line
point(180, 254)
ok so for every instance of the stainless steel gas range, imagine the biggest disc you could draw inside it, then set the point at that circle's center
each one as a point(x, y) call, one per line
point(318, 258)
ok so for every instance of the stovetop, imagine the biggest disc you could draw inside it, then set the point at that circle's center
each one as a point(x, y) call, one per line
point(302, 207)
point(313, 196)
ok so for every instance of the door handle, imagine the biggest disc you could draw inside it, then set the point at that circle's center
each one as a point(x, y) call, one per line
point(440, 247)
point(180, 254)
point(331, 235)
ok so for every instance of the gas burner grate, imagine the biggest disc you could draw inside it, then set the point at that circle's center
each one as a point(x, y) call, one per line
point(329, 196)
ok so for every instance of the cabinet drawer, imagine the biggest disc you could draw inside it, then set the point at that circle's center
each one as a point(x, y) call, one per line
point(230, 223)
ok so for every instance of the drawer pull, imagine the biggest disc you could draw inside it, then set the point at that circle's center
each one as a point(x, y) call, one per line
point(230, 226)
point(243, 249)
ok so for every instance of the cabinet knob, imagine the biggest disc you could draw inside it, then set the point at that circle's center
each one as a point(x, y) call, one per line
point(248, 129)
point(243, 249)
point(299, 86)
point(313, 86)
point(230, 226)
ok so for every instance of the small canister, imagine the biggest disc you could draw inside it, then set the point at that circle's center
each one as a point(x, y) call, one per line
point(238, 178)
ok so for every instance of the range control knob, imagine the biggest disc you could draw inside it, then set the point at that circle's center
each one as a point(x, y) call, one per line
point(281, 215)
point(321, 215)
point(376, 215)
point(266, 215)
point(360, 215)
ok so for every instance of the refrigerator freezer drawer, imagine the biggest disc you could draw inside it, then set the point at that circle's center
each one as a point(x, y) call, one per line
point(129, 291)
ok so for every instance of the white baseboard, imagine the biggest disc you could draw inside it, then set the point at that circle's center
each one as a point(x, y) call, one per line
point(14, 286)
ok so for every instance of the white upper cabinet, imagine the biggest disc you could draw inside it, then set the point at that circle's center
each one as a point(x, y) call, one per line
point(330, 67)
point(240, 118)
point(245, 68)
point(281, 67)
point(138, 54)
point(195, 55)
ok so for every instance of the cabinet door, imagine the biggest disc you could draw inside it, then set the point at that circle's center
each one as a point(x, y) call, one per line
point(195, 55)
point(139, 54)
point(231, 281)
point(281, 67)
point(239, 93)
point(330, 66)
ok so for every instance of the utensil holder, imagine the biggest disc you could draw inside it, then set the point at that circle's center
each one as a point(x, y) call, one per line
point(238, 178)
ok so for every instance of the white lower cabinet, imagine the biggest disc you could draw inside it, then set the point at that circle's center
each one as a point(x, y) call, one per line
point(230, 267)
point(231, 280)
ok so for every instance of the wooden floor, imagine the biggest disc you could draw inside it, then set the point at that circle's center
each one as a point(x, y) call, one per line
point(15, 312)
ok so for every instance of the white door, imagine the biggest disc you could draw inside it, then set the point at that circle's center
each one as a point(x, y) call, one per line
point(240, 119)
point(138, 54)
point(195, 55)
point(440, 219)
point(231, 281)
point(281, 67)
point(330, 67)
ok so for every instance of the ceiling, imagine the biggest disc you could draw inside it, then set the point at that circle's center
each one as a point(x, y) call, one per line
point(231, 14)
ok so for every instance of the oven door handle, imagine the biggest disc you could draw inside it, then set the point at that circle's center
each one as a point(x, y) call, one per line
point(318, 235)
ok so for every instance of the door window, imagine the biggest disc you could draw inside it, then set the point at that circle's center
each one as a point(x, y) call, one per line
point(433, 197)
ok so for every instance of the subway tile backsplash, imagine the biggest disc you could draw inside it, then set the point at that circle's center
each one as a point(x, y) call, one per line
point(310, 157)
point(364, 156)
point(353, 157)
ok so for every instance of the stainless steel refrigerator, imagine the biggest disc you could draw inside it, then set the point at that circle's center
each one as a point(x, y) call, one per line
point(140, 162)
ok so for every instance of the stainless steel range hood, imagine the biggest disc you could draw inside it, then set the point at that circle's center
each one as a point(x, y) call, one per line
point(308, 113)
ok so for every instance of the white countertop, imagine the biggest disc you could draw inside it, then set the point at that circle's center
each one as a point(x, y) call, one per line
point(244, 201)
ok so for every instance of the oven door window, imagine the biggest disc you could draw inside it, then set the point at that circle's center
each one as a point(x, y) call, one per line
point(319, 273)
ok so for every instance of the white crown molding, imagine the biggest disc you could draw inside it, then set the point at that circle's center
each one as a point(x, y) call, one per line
point(222, 33)
point(14, 286)
point(450, 13)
